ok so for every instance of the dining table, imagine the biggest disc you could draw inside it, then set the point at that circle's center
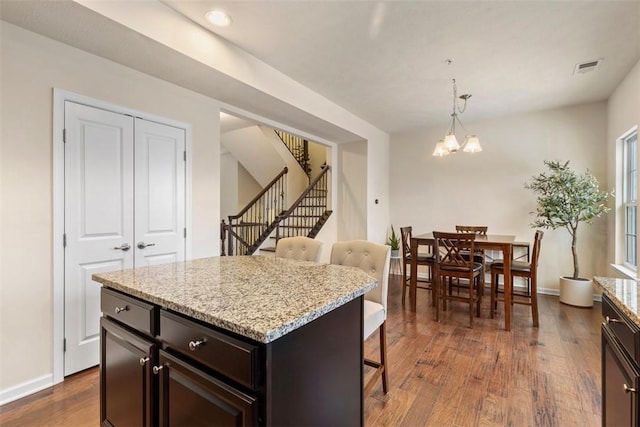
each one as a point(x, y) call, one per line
point(498, 242)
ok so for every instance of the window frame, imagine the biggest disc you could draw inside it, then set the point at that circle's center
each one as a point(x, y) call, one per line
point(629, 232)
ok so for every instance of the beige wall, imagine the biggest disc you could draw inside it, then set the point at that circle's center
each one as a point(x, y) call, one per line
point(248, 188)
point(229, 191)
point(623, 111)
point(31, 66)
point(487, 188)
point(352, 191)
point(317, 157)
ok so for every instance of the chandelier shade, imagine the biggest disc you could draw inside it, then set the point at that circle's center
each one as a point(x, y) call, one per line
point(440, 150)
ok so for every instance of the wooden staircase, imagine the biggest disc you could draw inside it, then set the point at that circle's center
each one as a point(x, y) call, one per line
point(246, 231)
point(305, 217)
point(299, 149)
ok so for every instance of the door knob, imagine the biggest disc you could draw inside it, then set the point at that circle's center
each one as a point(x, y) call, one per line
point(141, 244)
point(123, 247)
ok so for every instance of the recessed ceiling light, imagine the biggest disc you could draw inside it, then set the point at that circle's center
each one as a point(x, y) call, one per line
point(218, 18)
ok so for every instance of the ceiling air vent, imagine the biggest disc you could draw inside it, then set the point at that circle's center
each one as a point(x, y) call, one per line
point(586, 67)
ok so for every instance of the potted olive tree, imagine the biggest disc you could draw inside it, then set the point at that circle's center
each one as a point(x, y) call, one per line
point(564, 200)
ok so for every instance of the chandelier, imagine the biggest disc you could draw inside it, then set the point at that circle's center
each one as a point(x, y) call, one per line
point(450, 143)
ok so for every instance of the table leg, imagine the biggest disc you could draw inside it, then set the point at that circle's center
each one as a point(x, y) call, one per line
point(413, 282)
point(508, 286)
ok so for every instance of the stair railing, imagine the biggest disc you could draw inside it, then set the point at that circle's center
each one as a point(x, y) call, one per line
point(299, 149)
point(310, 206)
point(256, 219)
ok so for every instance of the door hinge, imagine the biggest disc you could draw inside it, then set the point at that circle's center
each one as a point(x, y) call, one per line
point(64, 240)
point(185, 155)
point(64, 136)
point(185, 232)
point(64, 345)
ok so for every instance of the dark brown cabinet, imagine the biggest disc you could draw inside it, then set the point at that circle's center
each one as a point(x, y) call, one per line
point(127, 384)
point(620, 371)
point(190, 397)
point(163, 368)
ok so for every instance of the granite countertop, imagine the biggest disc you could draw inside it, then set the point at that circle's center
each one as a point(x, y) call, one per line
point(625, 294)
point(262, 298)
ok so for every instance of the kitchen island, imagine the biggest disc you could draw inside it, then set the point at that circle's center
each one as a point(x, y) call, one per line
point(243, 340)
point(620, 351)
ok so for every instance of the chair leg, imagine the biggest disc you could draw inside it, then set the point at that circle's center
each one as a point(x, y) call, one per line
point(479, 295)
point(494, 291)
point(404, 281)
point(381, 367)
point(435, 284)
point(471, 306)
point(534, 301)
point(383, 357)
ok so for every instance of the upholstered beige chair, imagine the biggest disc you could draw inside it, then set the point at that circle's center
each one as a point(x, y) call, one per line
point(373, 259)
point(299, 247)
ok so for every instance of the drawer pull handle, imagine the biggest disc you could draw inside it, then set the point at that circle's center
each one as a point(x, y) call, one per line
point(193, 345)
point(157, 369)
point(610, 320)
point(143, 361)
point(628, 389)
point(121, 309)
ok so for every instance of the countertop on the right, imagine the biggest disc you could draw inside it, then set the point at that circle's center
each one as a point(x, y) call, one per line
point(625, 294)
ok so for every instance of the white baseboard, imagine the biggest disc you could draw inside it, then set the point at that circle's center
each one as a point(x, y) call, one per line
point(21, 390)
point(543, 291)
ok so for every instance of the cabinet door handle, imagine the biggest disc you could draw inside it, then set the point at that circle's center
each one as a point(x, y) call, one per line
point(143, 361)
point(119, 310)
point(610, 320)
point(193, 345)
point(628, 389)
point(156, 369)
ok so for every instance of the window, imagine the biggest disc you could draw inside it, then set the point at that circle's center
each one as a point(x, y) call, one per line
point(630, 198)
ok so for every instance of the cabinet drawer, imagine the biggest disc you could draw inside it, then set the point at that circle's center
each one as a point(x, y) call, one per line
point(139, 315)
point(229, 356)
point(622, 328)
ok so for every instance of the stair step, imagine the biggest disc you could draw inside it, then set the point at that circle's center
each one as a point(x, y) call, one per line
point(296, 226)
point(269, 249)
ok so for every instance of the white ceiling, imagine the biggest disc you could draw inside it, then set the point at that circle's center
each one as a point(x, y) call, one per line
point(383, 61)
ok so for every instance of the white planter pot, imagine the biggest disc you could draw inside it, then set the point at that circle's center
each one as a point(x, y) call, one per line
point(576, 292)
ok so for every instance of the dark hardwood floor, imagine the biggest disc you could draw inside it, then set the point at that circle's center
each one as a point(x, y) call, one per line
point(446, 374)
point(441, 374)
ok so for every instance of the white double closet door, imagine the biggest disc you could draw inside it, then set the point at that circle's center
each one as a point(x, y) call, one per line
point(124, 208)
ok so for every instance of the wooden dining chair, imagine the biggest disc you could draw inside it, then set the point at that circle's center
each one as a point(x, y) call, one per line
point(527, 270)
point(301, 248)
point(479, 255)
point(451, 263)
point(374, 260)
point(479, 230)
point(423, 259)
